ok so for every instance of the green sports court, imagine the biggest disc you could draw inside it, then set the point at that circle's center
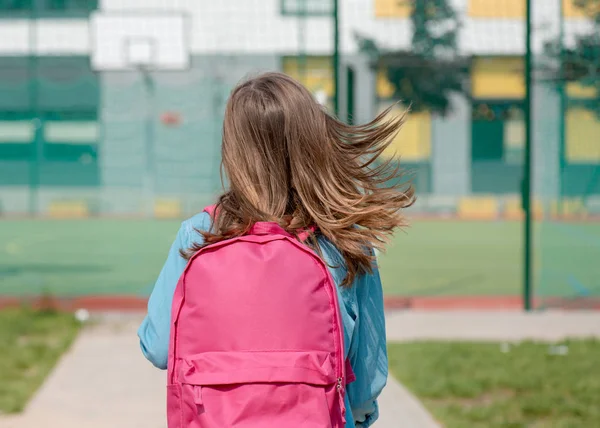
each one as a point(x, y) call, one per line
point(116, 257)
point(109, 139)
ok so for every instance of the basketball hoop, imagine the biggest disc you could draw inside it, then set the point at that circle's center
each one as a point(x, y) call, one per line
point(143, 43)
point(170, 118)
point(151, 41)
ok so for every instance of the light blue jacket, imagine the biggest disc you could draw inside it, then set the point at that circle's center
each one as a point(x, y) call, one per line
point(361, 308)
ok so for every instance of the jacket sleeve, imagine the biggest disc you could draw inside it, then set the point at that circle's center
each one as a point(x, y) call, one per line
point(369, 362)
point(155, 329)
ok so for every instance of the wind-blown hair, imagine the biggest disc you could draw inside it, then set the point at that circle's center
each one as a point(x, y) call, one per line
point(288, 161)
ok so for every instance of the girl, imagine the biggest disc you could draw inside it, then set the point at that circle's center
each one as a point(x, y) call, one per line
point(288, 161)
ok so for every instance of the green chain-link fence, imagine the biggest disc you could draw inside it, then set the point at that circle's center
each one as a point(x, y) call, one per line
point(98, 149)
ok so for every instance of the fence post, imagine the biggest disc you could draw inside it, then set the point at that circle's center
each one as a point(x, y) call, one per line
point(336, 57)
point(527, 181)
point(37, 152)
point(350, 94)
point(563, 108)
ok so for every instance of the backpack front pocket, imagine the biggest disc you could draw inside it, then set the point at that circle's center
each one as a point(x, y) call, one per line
point(258, 389)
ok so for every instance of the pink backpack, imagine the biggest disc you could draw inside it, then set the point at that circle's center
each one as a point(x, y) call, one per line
point(256, 337)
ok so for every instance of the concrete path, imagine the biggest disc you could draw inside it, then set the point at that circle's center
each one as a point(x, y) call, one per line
point(104, 381)
point(547, 326)
point(398, 408)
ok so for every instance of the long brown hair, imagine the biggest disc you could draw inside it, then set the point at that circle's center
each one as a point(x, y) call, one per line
point(289, 161)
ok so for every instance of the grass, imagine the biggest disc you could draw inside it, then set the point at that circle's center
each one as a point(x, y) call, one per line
point(31, 344)
point(475, 385)
point(107, 256)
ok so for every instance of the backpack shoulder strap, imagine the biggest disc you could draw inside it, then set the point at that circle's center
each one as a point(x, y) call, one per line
point(210, 210)
point(303, 234)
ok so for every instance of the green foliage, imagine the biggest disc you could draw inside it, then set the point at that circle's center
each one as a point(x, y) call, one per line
point(428, 38)
point(581, 62)
point(427, 75)
point(486, 385)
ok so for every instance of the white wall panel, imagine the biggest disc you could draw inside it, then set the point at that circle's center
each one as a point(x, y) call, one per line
point(257, 26)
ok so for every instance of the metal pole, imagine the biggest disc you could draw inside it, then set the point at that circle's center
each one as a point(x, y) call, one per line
point(350, 95)
point(37, 155)
point(336, 57)
point(563, 109)
point(302, 42)
point(218, 101)
point(150, 146)
point(527, 181)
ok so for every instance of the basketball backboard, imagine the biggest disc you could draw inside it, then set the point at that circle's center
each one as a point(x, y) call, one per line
point(152, 41)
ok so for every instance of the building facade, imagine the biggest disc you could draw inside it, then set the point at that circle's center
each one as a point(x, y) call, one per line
point(80, 137)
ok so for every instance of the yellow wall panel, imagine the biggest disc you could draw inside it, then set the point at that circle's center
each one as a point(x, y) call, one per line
point(498, 78)
point(497, 8)
point(583, 136)
point(478, 208)
point(167, 208)
point(568, 208)
point(68, 209)
point(513, 209)
point(384, 88)
point(413, 142)
point(318, 73)
point(392, 9)
point(576, 90)
point(571, 11)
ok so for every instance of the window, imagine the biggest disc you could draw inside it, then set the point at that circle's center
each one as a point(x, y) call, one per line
point(497, 147)
point(486, 134)
point(498, 132)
